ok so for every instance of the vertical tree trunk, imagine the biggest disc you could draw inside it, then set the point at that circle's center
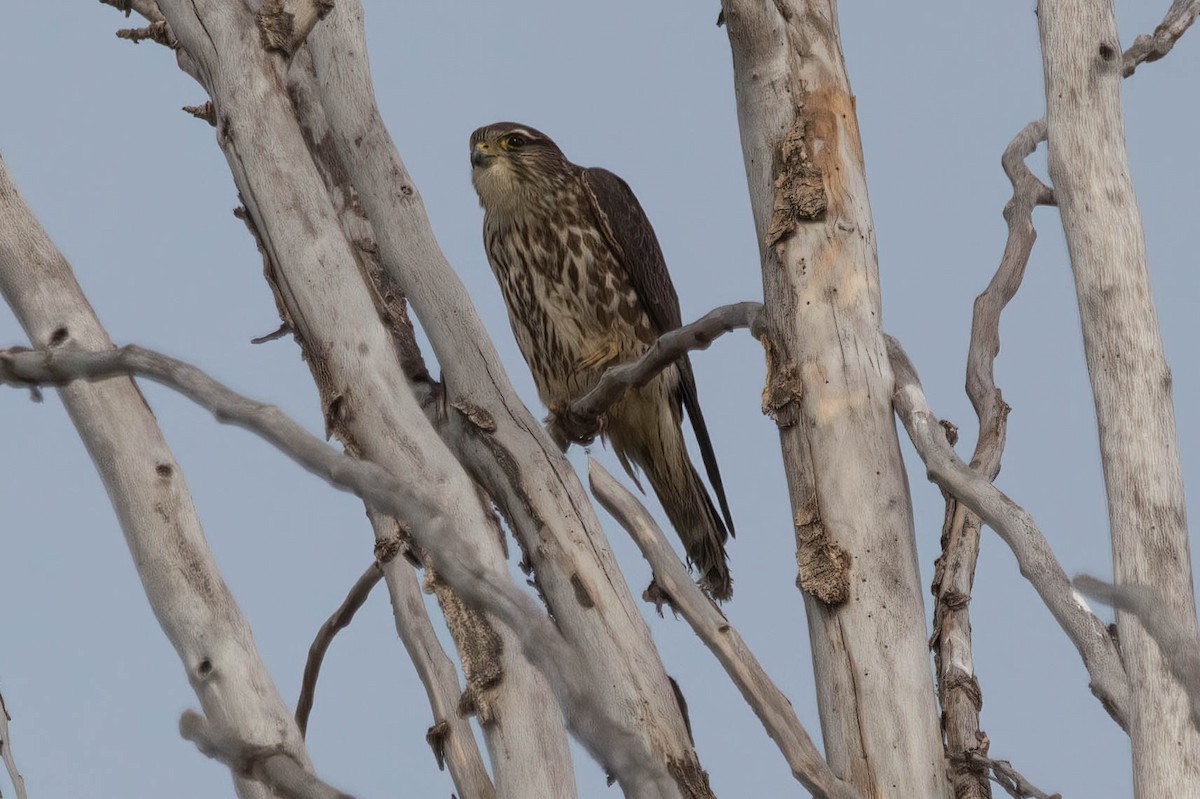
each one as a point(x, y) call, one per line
point(829, 388)
point(1130, 379)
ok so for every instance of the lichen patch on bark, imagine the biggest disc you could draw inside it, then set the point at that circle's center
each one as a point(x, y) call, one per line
point(823, 568)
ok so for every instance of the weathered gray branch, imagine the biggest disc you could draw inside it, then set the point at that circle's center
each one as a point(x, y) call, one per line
point(270, 765)
point(1153, 46)
point(959, 692)
point(1128, 370)
point(827, 390)
point(580, 422)
point(1177, 640)
point(760, 692)
point(321, 283)
point(419, 505)
point(150, 496)
point(339, 621)
point(1015, 526)
point(1012, 781)
point(10, 763)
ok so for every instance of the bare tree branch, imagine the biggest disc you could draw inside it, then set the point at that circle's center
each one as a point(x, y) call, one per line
point(958, 688)
point(450, 736)
point(14, 775)
point(1176, 639)
point(1153, 46)
point(760, 692)
point(421, 506)
point(270, 765)
point(580, 422)
point(1008, 778)
point(339, 621)
point(1016, 527)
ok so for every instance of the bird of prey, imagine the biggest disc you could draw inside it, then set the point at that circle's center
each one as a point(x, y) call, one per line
point(587, 288)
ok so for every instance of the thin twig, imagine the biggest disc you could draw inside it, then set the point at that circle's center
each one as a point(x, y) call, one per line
point(1153, 46)
point(339, 621)
point(14, 775)
point(270, 765)
point(760, 692)
point(616, 747)
point(581, 421)
point(1175, 637)
point(1016, 527)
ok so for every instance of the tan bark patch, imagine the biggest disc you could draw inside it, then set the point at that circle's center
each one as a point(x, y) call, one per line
point(799, 187)
point(823, 568)
point(783, 389)
point(479, 649)
point(690, 777)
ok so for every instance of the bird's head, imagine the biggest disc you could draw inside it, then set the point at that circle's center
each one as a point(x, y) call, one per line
point(511, 163)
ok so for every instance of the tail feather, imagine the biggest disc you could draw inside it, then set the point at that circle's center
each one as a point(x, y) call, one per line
point(692, 513)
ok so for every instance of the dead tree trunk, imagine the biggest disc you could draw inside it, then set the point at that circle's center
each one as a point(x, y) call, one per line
point(1130, 379)
point(828, 388)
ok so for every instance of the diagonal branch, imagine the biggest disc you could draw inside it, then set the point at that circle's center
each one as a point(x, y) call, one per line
point(582, 420)
point(1153, 46)
point(760, 692)
point(1176, 639)
point(339, 621)
point(421, 506)
point(14, 775)
point(270, 765)
point(1016, 527)
point(1008, 778)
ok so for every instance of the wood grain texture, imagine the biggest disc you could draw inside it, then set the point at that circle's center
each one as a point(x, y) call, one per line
point(1131, 382)
point(831, 392)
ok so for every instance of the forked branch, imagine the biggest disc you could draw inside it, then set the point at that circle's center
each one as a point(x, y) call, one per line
point(1016, 527)
point(760, 692)
point(615, 746)
point(1153, 46)
point(271, 766)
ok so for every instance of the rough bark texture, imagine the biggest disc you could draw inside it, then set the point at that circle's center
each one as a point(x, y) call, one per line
point(1131, 382)
point(509, 454)
point(332, 310)
point(150, 497)
point(830, 392)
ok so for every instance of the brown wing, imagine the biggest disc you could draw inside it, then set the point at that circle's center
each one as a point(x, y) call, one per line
point(631, 236)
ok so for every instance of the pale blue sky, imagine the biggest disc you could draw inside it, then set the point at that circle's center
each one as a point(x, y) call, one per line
point(138, 197)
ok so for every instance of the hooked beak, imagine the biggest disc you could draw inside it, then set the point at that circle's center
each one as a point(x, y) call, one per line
point(480, 155)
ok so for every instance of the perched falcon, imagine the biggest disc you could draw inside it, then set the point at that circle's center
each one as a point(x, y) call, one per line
point(587, 288)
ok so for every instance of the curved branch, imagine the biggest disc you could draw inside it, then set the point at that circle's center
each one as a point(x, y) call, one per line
point(339, 621)
point(1176, 639)
point(272, 766)
point(614, 745)
point(581, 421)
point(760, 692)
point(1016, 527)
point(958, 688)
point(1153, 46)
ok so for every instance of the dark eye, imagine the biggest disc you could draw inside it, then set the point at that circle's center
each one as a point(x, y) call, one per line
point(516, 141)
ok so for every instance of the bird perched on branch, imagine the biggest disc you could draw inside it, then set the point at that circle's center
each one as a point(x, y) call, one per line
point(587, 288)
